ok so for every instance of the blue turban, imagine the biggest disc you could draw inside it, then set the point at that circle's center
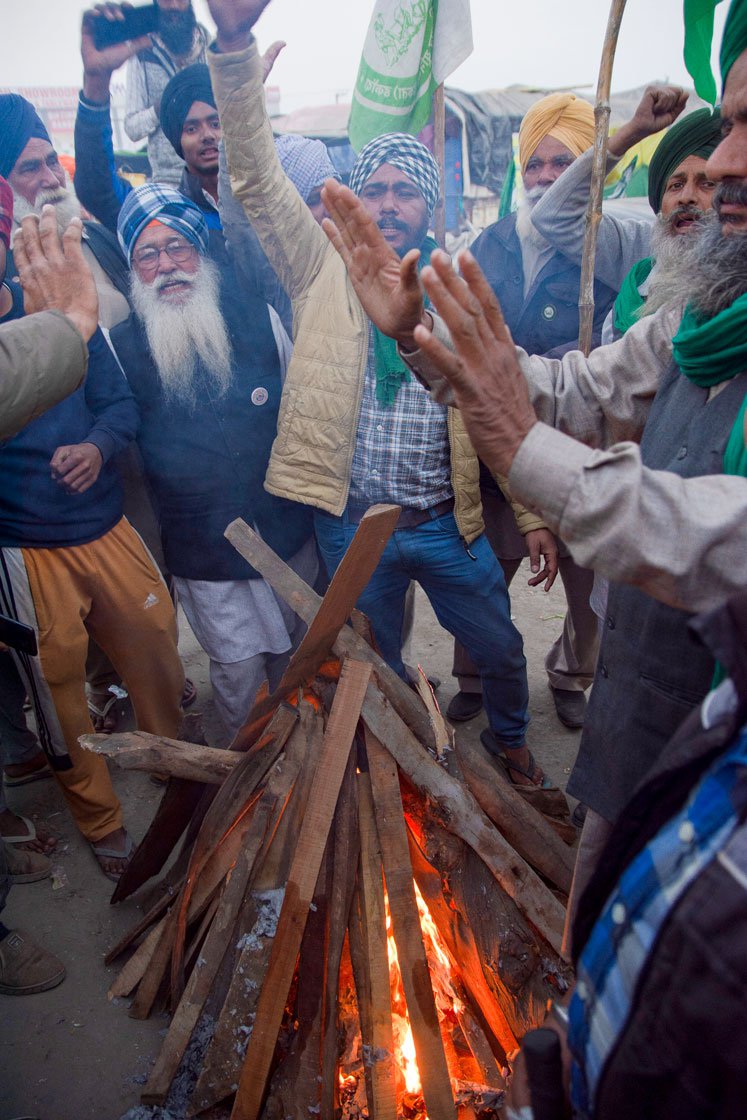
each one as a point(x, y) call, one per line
point(406, 154)
point(19, 123)
point(187, 86)
point(305, 162)
point(155, 202)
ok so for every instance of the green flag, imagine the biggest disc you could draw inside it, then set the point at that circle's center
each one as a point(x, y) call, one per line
point(410, 47)
point(698, 42)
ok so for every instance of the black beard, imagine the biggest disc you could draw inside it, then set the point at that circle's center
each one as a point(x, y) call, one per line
point(177, 30)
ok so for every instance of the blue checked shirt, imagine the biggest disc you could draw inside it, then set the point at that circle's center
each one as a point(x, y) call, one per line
point(401, 452)
point(622, 939)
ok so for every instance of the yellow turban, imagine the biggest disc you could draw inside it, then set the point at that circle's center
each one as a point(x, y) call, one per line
point(565, 117)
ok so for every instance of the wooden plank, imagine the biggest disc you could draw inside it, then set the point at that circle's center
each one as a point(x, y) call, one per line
point(345, 861)
point(306, 603)
point(180, 798)
point(525, 829)
point(152, 915)
point(132, 973)
point(403, 907)
point(312, 839)
point(352, 575)
point(459, 940)
point(181, 802)
point(243, 843)
point(229, 802)
point(137, 750)
point(461, 814)
point(256, 928)
point(382, 1079)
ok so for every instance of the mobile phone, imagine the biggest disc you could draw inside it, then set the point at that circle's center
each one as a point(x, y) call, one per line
point(136, 22)
point(17, 635)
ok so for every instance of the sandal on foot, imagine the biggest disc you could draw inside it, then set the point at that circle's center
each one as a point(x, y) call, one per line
point(99, 713)
point(27, 867)
point(488, 740)
point(531, 772)
point(23, 839)
point(111, 853)
point(39, 774)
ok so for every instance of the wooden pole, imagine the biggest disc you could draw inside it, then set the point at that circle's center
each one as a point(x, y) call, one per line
point(598, 175)
point(439, 144)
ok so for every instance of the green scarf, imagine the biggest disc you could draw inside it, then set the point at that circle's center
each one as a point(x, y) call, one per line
point(391, 371)
point(629, 300)
point(735, 462)
point(709, 351)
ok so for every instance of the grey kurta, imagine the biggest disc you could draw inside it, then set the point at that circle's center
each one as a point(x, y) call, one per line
point(651, 670)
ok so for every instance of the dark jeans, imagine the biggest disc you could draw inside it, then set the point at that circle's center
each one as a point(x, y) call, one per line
point(466, 589)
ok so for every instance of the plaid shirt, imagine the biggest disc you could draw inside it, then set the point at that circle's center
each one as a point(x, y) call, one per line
point(402, 452)
point(625, 934)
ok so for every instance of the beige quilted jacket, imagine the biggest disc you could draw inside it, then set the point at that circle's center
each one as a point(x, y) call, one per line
point(313, 451)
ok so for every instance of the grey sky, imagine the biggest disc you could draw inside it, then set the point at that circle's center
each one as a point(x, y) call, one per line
point(542, 42)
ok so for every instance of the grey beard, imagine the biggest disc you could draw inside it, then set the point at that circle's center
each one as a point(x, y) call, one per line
point(63, 199)
point(186, 335)
point(713, 271)
point(672, 253)
point(525, 229)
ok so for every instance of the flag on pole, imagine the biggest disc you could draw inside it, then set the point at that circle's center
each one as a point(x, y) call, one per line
point(699, 15)
point(410, 47)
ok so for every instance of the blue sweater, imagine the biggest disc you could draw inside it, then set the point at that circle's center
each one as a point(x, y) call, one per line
point(35, 511)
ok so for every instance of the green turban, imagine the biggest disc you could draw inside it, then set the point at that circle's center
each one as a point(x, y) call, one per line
point(697, 134)
point(734, 41)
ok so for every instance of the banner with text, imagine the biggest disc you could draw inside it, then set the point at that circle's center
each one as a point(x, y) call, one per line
point(410, 47)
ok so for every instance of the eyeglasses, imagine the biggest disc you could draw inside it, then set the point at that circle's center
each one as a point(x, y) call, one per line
point(147, 259)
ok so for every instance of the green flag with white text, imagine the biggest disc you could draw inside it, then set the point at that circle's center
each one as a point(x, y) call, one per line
point(410, 47)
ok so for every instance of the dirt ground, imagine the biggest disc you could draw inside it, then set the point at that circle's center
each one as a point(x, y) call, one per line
point(71, 1054)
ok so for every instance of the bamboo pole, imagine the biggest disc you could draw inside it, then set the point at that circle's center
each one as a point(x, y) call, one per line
point(439, 144)
point(598, 175)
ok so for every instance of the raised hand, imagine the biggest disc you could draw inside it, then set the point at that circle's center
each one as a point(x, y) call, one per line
point(658, 108)
point(387, 287)
point(483, 370)
point(234, 20)
point(99, 65)
point(53, 273)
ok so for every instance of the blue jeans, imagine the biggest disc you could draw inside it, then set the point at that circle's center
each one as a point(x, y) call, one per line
point(468, 595)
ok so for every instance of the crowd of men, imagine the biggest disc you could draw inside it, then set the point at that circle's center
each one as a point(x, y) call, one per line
point(244, 336)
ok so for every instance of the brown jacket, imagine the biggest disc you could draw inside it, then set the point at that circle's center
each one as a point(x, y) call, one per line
point(42, 360)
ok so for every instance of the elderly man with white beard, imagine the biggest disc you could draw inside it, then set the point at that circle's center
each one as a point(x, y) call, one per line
point(32, 167)
point(205, 365)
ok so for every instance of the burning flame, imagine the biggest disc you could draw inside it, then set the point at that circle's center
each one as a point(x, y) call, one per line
point(440, 968)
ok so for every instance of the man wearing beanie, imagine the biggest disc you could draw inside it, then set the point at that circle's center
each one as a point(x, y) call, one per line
point(354, 428)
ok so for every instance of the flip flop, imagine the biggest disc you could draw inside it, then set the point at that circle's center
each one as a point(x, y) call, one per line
point(111, 853)
point(39, 775)
point(488, 741)
point(30, 835)
point(97, 712)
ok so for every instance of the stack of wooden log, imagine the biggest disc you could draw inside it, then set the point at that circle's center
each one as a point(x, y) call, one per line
point(336, 800)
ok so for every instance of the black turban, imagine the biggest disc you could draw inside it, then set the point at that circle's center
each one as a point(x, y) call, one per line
point(187, 86)
point(697, 134)
point(19, 122)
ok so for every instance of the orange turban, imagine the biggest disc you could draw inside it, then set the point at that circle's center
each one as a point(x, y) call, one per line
point(565, 117)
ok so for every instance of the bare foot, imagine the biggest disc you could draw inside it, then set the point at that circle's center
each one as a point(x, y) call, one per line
point(12, 825)
point(115, 842)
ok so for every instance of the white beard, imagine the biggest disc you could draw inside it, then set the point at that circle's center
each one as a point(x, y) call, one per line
point(525, 228)
point(181, 333)
point(672, 253)
point(62, 198)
